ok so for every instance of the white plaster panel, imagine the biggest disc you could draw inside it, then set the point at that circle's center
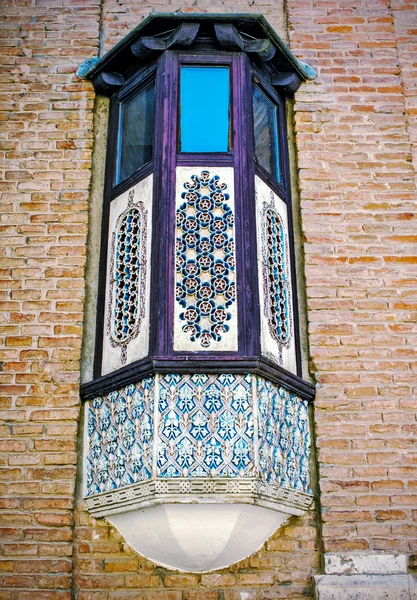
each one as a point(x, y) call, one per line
point(138, 347)
point(365, 587)
point(229, 339)
point(363, 563)
point(284, 355)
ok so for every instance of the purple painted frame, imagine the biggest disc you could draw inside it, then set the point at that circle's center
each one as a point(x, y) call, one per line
point(161, 356)
point(247, 292)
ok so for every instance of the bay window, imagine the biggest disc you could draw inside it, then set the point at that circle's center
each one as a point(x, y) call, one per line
point(197, 400)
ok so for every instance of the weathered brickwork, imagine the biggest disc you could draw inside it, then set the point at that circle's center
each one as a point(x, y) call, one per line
point(355, 130)
point(46, 122)
point(119, 17)
point(356, 140)
point(405, 24)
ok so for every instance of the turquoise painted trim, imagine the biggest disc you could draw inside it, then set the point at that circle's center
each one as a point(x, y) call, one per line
point(307, 69)
point(86, 66)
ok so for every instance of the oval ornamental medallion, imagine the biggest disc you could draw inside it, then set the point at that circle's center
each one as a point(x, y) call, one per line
point(276, 278)
point(128, 276)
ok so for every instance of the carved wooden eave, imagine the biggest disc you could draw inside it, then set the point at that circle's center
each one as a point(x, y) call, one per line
point(249, 33)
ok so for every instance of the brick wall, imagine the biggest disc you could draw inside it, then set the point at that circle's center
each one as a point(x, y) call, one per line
point(120, 16)
point(355, 135)
point(46, 122)
point(356, 142)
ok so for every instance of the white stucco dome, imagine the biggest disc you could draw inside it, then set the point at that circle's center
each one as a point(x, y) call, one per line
point(198, 537)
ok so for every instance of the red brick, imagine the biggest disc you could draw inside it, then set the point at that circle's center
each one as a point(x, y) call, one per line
point(218, 580)
point(124, 564)
point(180, 580)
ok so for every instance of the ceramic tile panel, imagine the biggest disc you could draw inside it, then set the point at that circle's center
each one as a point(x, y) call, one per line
point(207, 426)
point(120, 436)
point(284, 437)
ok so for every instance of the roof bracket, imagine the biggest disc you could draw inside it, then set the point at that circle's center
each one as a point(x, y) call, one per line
point(287, 82)
point(182, 37)
point(264, 49)
point(228, 36)
point(105, 83)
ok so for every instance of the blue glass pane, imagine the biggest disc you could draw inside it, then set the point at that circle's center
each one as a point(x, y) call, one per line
point(265, 123)
point(137, 120)
point(204, 102)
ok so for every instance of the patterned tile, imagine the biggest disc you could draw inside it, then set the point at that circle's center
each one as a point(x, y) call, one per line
point(284, 437)
point(206, 426)
point(120, 436)
point(127, 291)
point(275, 276)
point(206, 429)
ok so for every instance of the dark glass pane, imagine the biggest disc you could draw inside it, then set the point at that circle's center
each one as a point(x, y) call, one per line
point(204, 109)
point(265, 122)
point(137, 119)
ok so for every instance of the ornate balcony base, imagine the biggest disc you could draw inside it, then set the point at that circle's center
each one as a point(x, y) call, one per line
point(201, 524)
point(197, 471)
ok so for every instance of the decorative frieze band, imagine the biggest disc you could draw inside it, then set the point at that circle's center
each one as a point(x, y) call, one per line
point(183, 490)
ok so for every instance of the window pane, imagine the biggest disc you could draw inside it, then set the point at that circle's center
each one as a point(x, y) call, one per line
point(204, 101)
point(137, 119)
point(265, 124)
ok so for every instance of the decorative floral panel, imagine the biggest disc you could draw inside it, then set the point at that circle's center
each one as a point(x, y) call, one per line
point(128, 278)
point(284, 437)
point(120, 437)
point(274, 272)
point(275, 276)
point(128, 275)
point(205, 279)
point(206, 426)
